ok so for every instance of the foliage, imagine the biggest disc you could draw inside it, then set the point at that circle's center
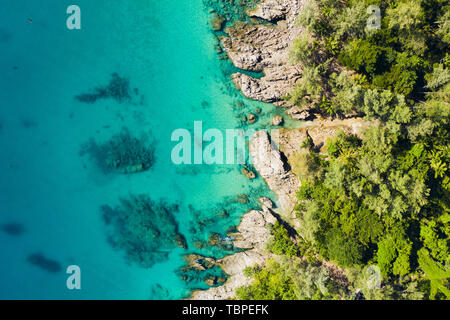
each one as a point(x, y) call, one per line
point(304, 165)
point(414, 36)
point(381, 198)
point(292, 279)
point(281, 243)
point(345, 250)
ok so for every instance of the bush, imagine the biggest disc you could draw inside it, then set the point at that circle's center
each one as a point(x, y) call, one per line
point(345, 251)
point(281, 243)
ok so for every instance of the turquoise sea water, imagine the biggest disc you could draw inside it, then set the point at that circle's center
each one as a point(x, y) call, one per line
point(166, 50)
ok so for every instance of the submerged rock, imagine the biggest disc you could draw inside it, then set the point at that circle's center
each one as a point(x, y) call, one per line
point(251, 118)
point(13, 229)
point(117, 89)
point(224, 214)
point(231, 10)
point(243, 198)
point(198, 262)
point(28, 123)
point(217, 22)
point(180, 241)
point(199, 244)
point(46, 264)
point(212, 280)
point(253, 234)
point(216, 240)
point(248, 173)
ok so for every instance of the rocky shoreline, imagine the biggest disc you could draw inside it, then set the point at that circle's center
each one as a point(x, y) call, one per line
point(265, 48)
point(251, 238)
point(270, 154)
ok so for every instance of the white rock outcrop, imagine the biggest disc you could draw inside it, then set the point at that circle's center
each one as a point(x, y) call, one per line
point(268, 161)
point(266, 48)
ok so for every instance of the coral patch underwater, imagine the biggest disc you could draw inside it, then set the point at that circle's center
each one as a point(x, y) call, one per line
point(144, 229)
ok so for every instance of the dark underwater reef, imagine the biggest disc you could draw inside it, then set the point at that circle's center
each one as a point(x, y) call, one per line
point(210, 226)
point(5, 36)
point(144, 229)
point(123, 153)
point(28, 123)
point(13, 229)
point(117, 89)
point(44, 263)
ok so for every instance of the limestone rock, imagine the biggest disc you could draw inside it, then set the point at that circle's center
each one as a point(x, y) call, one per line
point(248, 173)
point(269, 10)
point(299, 114)
point(212, 280)
point(198, 262)
point(268, 161)
point(277, 120)
point(254, 233)
point(265, 48)
point(251, 118)
point(180, 241)
point(265, 203)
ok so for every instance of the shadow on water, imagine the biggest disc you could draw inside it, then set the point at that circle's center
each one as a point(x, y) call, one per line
point(44, 263)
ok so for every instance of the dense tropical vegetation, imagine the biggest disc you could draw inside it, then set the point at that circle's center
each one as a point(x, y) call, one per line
point(382, 198)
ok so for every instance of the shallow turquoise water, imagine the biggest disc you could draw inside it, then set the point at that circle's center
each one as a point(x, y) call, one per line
point(166, 50)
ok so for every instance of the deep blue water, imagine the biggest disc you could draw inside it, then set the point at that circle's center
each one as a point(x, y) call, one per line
point(166, 50)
